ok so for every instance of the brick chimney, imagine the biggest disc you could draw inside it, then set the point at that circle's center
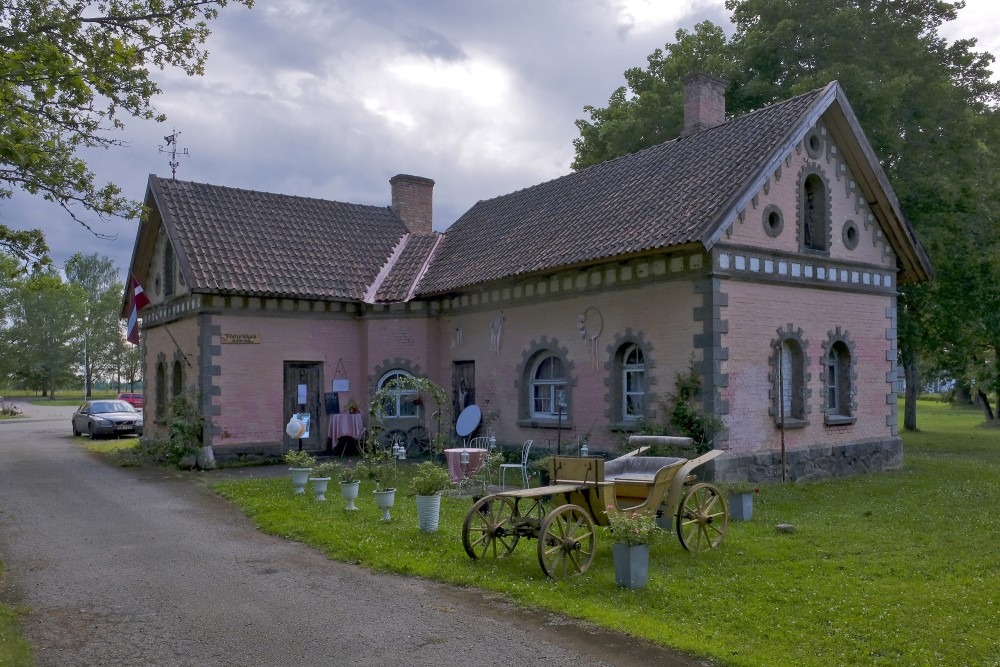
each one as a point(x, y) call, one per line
point(412, 200)
point(704, 102)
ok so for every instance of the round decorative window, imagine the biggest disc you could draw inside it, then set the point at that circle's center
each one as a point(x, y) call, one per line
point(773, 221)
point(814, 144)
point(851, 235)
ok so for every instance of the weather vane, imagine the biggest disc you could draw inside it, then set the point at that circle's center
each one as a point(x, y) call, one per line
point(173, 152)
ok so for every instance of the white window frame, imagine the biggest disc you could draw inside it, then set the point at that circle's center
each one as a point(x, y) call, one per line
point(833, 382)
point(398, 402)
point(544, 392)
point(633, 366)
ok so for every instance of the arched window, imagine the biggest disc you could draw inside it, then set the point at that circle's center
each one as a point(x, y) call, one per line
point(814, 213)
point(161, 390)
point(548, 387)
point(399, 396)
point(633, 370)
point(838, 377)
point(789, 379)
point(177, 381)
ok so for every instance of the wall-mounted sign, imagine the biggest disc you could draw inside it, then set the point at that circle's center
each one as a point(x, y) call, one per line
point(303, 389)
point(341, 385)
point(241, 339)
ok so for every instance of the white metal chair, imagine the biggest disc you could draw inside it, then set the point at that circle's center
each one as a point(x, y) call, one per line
point(523, 465)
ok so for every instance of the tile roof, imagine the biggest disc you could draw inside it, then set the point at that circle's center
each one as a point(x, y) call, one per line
point(669, 194)
point(261, 244)
point(404, 271)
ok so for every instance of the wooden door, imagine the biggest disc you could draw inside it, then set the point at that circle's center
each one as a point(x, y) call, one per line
point(304, 380)
point(463, 384)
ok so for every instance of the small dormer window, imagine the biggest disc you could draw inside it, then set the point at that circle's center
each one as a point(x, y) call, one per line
point(814, 211)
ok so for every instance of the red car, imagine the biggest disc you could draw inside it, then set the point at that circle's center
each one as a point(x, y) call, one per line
point(135, 400)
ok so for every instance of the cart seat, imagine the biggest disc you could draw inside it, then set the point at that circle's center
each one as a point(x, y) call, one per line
point(637, 468)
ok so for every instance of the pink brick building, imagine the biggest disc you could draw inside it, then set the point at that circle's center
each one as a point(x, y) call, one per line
point(765, 249)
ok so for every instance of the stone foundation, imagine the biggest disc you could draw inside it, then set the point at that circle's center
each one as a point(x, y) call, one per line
point(807, 464)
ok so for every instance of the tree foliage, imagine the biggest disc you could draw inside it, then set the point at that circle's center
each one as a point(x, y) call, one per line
point(70, 71)
point(928, 107)
point(101, 292)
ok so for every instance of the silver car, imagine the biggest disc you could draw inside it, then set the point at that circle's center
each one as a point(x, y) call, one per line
point(107, 419)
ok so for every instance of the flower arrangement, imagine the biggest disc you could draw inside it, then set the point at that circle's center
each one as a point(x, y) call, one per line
point(735, 488)
point(631, 528)
point(430, 479)
point(347, 475)
point(324, 470)
point(300, 459)
point(353, 407)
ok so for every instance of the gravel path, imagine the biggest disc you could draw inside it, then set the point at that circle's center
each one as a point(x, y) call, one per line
point(124, 566)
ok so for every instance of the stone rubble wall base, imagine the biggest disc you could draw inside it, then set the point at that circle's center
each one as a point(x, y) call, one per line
point(807, 464)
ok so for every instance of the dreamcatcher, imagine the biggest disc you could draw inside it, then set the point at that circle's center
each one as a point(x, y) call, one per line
point(590, 326)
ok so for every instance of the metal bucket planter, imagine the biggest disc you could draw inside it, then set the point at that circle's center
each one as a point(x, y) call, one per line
point(740, 506)
point(631, 564)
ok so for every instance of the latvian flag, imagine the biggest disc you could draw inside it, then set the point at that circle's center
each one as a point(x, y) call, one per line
point(137, 301)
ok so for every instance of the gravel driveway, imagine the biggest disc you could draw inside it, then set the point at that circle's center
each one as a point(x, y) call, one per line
point(124, 566)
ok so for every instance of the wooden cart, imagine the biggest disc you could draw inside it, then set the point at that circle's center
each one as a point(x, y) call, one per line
point(582, 492)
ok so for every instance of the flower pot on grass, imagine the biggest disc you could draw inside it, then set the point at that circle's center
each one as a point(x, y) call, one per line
point(319, 486)
point(300, 465)
point(428, 512)
point(631, 564)
point(428, 483)
point(740, 506)
point(384, 500)
point(349, 491)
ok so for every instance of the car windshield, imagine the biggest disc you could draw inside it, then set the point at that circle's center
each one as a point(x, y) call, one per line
point(112, 406)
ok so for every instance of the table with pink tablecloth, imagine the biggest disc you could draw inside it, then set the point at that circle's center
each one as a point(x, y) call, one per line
point(346, 424)
point(455, 467)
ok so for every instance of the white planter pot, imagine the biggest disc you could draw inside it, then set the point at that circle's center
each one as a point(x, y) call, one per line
point(349, 490)
point(631, 564)
point(299, 478)
point(428, 512)
point(319, 486)
point(385, 500)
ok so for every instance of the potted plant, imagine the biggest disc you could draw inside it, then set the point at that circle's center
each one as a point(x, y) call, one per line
point(349, 484)
point(379, 466)
point(740, 496)
point(300, 464)
point(540, 467)
point(353, 407)
point(632, 532)
point(320, 478)
point(428, 483)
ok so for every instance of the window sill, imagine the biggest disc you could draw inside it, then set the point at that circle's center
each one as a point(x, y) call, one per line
point(792, 423)
point(625, 426)
point(839, 420)
point(542, 422)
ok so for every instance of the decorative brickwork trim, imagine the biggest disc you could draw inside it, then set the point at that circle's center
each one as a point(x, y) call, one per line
point(832, 338)
point(800, 378)
point(613, 377)
point(709, 342)
point(522, 383)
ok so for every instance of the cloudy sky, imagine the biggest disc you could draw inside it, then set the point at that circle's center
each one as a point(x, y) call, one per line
point(331, 98)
